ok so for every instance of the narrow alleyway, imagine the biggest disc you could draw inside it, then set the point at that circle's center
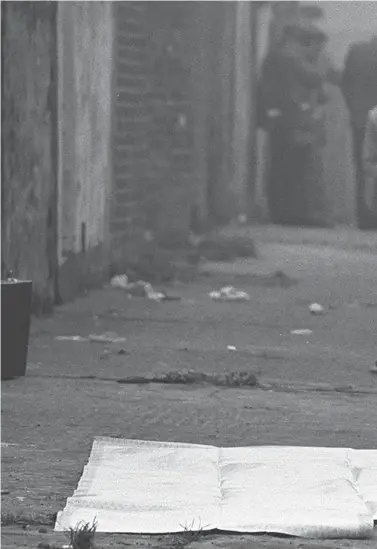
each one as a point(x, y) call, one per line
point(312, 389)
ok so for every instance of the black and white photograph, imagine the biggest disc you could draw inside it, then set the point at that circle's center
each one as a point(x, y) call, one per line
point(188, 274)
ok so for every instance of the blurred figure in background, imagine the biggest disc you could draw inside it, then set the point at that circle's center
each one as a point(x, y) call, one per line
point(313, 182)
point(370, 161)
point(319, 188)
point(359, 88)
point(291, 94)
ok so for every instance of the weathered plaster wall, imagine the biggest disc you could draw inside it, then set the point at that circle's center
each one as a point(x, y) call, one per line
point(29, 145)
point(85, 77)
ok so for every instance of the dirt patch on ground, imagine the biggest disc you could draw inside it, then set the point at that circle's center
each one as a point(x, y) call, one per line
point(33, 537)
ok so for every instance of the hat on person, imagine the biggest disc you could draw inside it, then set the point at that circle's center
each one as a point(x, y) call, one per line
point(304, 33)
point(293, 4)
point(311, 11)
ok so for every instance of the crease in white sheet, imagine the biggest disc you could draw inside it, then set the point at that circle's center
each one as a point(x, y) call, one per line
point(364, 466)
point(151, 487)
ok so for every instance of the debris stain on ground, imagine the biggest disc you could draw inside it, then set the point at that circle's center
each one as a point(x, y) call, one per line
point(190, 377)
point(107, 337)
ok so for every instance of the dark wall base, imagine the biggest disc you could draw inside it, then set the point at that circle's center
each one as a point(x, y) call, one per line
point(82, 272)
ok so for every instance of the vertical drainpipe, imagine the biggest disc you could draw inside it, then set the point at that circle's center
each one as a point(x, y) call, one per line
point(53, 228)
point(110, 181)
point(60, 86)
point(60, 7)
point(242, 104)
point(3, 8)
point(252, 130)
point(110, 201)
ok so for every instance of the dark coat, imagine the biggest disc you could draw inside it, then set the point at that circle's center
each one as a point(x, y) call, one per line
point(287, 82)
point(359, 81)
point(286, 79)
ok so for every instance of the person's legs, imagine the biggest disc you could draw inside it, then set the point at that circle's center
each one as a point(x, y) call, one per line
point(366, 219)
point(277, 176)
point(297, 163)
point(289, 201)
point(317, 209)
point(285, 191)
point(358, 138)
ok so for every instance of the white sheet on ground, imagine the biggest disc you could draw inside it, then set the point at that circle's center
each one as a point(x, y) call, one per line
point(155, 487)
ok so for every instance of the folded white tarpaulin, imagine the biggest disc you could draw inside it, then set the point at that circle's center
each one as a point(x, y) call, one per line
point(156, 487)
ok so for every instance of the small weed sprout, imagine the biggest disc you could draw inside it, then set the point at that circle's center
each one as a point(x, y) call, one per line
point(191, 533)
point(82, 536)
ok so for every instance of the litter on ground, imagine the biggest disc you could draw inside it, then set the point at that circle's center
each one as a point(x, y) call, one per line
point(119, 281)
point(316, 309)
point(71, 338)
point(304, 331)
point(139, 289)
point(229, 293)
point(108, 337)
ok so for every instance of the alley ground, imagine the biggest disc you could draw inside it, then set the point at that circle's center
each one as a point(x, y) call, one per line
point(314, 389)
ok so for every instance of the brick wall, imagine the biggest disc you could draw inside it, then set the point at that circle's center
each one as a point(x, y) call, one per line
point(29, 145)
point(130, 124)
point(170, 136)
point(155, 179)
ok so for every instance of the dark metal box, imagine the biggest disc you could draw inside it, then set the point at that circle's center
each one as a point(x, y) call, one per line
point(15, 327)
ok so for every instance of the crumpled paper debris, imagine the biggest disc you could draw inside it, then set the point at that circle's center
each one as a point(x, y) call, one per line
point(119, 281)
point(316, 309)
point(229, 293)
point(152, 294)
point(71, 338)
point(137, 289)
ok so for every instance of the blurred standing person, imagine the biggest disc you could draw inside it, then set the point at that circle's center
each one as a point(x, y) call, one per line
point(290, 90)
point(370, 160)
point(359, 88)
point(313, 182)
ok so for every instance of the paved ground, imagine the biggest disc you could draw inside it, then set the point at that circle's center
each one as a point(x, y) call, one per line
point(312, 390)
